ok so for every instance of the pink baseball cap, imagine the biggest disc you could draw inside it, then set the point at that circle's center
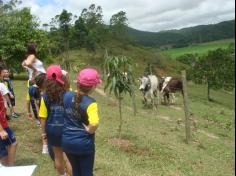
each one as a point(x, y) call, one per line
point(88, 77)
point(54, 73)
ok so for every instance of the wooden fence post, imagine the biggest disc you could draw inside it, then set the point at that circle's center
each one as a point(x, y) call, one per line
point(233, 120)
point(186, 107)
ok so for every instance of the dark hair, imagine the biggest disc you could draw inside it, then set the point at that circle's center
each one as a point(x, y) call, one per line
point(54, 89)
point(83, 89)
point(66, 82)
point(2, 68)
point(39, 80)
point(31, 49)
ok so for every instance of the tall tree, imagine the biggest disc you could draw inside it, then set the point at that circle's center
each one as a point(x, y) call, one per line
point(92, 18)
point(17, 28)
point(216, 69)
point(79, 33)
point(64, 21)
point(119, 24)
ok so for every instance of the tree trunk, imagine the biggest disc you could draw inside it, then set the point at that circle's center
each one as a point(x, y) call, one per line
point(121, 120)
point(208, 91)
point(66, 62)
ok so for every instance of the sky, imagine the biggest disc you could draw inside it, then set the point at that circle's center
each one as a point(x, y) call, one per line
point(145, 15)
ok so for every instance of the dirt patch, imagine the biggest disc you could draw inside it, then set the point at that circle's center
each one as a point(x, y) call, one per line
point(128, 147)
point(208, 134)
point(124, 144)
point(176, 108)
point(165, 118)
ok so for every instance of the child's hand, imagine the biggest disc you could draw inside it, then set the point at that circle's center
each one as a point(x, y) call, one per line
point(86, 127)
point(11, 109)
point(90, 128)
point(12, 96)
point(3, 135)
point(30, 116)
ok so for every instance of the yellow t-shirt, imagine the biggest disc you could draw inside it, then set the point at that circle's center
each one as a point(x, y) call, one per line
point(43, 112)
point(92, 112)
point(28, 95)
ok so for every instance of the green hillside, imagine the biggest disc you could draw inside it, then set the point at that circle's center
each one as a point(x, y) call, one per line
point(198, 48)
point(140, 58)
point(186, 36)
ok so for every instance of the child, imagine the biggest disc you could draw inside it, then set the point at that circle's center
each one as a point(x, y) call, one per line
point(7, 101)
point(34, 66)
point(8, 83)
point(7, 139)
point(51, 113)
point(35, 94)
point(81, 122)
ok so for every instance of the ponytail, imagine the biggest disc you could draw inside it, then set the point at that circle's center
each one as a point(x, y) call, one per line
point(81, 90)
point(78, 100)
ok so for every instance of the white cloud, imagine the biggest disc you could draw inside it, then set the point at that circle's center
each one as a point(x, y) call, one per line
point(149, 15)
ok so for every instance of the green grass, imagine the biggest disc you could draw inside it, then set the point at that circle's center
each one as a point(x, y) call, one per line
point(198, 48)
point(155, 146)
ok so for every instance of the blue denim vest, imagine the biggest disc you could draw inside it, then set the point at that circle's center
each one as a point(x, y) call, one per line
point(55, 121)
point(75, 139)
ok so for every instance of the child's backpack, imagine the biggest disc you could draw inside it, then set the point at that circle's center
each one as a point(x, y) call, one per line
point(55, 121)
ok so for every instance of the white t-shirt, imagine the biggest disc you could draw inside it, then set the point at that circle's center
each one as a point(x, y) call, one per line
point(38, 65)
point(30, 73)
point(4, 91)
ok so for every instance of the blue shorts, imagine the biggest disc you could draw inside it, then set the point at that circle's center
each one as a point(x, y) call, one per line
point(5, 143)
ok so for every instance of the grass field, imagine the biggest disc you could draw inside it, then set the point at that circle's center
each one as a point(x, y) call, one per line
point(153, 143)
point(198, 48)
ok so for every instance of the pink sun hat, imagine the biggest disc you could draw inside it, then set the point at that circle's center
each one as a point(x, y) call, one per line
point(54, 72)
point(88, 77)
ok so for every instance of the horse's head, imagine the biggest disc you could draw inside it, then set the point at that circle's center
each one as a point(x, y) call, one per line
point(145, 83)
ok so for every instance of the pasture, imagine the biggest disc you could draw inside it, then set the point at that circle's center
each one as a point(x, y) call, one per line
point(200, 49)
point(153, 142)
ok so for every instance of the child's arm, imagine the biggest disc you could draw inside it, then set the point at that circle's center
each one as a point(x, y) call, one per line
point(3, 133)
point(11, 95)
point(37, 103)
point(43, 117)
point(43, 133)
point(29, 63)
point(9, 102)
point(93, 118)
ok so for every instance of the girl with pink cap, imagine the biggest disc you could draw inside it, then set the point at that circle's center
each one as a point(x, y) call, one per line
point(52, 115)
point(81, 122)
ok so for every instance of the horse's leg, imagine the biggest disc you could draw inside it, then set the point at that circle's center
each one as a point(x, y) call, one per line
point(153, 100)
point(165, 98)
point(172, 98)
point(168, 98)
point(145, 100)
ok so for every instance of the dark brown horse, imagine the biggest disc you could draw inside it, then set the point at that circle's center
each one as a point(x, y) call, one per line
point(173, 85)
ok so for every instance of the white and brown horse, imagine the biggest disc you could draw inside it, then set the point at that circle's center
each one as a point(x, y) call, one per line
point(168, 86)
